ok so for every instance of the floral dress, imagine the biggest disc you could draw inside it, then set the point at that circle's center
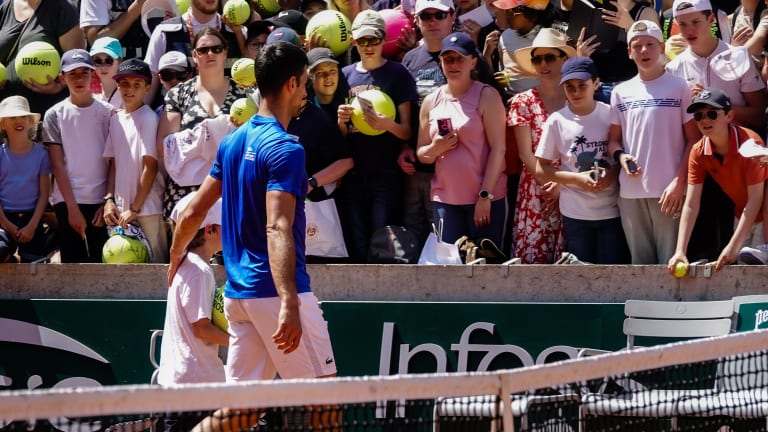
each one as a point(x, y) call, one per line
point(538, 239)
point(183, 99)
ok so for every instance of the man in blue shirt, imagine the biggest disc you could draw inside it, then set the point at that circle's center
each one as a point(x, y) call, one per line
point(275, 323)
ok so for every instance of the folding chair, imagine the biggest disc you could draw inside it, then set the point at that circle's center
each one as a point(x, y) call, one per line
point(661, 319)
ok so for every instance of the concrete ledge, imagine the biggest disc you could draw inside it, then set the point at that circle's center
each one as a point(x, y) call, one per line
point(482, 283)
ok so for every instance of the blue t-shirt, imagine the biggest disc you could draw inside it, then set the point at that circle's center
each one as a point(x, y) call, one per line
point(20, 177)
point(376, 153)
point(258, 157)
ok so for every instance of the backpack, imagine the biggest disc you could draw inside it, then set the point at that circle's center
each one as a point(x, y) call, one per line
point(393, 245)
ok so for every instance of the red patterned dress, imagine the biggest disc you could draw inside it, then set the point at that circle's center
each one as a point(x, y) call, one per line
point(538, 238)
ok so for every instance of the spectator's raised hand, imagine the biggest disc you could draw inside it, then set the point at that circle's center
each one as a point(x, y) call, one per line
point(619, 18)
point(585, 48)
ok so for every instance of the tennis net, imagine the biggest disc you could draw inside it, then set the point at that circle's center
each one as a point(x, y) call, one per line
point(713, 384)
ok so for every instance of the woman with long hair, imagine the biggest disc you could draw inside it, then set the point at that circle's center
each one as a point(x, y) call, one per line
point(207, 96)
point(537, 230)
point(461, 131)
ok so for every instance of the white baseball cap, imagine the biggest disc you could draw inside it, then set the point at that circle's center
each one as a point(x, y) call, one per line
point(175, 60)
point(441, 5)
point(212, 218)
point(644, 28)
point(683, 7)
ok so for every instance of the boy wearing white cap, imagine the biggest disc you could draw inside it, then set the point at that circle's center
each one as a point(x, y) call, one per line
point(650, 136)
point(189, 352)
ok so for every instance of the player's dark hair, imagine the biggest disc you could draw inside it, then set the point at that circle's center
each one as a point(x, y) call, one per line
point(276, 64)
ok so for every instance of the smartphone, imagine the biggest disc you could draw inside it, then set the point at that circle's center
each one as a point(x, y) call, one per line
point(444, 126)
point(366, 105)
point(632, 166)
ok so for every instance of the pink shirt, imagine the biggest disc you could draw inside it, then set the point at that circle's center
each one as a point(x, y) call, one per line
point(459, 172)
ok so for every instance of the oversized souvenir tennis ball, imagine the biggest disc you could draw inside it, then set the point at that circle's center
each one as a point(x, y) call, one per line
point(395, 22)
point(36, 61)
point(3, 74)
point(182, 6)
point(681, 269)
point(121, 249)
point(243, 72)
point(267, 8)
point(237, 11)
point(243, 109)
point(381, 103)
point(217, 315)
point(334, 27)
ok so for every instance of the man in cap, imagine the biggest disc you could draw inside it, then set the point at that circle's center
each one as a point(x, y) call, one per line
point(741, 178)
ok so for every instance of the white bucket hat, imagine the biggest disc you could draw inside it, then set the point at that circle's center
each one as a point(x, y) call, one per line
point(16, 106)
point(546, 38)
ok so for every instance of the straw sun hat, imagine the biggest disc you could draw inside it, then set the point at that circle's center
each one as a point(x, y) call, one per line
point(16, 106)
point(546, 38)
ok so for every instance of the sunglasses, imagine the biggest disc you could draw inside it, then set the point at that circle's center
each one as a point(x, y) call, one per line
point(369, 42)
point(440, 15)
point(711, 114)
point(109, 61)
point(549, 58)
point(170, 75)
point(216, 49)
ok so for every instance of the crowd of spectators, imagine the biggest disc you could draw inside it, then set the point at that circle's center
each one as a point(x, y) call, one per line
point(488, 126)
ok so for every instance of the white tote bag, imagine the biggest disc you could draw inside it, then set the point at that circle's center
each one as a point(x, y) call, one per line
point(324, 235)
point(436, 251)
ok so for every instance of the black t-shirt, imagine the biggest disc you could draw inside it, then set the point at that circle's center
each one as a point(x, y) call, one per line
point(322, 142)
point(51, 20)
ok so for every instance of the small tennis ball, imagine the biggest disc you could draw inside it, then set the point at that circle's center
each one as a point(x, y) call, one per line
point(182, 6)
point(36, 61)
point(217, 315)
point(681, 269)
point(237, 11)
point(243, 72)
point(243, 109)
point(3, 74)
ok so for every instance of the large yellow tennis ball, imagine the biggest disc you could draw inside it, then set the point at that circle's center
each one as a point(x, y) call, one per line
point(267, 8)
point(3, 74)
point(36, 61)
point(217, 314)
point(681, 269)
point(237, 11)
point(182, 6)
point(243, 72)
point(121, 249)
point(381, 103)
point(334, 28)
point(242, 110)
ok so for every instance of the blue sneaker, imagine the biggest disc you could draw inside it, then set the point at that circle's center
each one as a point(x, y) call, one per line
point(754, 255)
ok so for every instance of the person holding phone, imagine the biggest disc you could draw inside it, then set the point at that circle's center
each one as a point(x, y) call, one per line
point(469, 187)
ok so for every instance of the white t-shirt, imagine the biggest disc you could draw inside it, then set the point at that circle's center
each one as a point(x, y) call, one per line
point(82, 133)
point(651, 115)
point(183, 357)
point(579, 142)
point(131, 137)
point(699, 70)
point(96, 13)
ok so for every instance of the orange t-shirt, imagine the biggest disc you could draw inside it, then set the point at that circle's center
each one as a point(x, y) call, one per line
point(734, 174)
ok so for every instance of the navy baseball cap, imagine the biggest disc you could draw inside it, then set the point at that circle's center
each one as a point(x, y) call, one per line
point(460, 42)
point(289, 18)
point(580, 68)
point(76, 58)
point(133, 68)
point(284, 34)
point(710, 97)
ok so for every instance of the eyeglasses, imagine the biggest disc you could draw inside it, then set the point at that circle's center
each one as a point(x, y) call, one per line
point(323, 75)
point(364, 42)
point(711, 114)
point(440, 15)
point(216, 49)
point(109, 61)
point(549, 58)
point(170, 75)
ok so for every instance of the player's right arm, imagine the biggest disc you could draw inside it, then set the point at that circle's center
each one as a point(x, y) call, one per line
point(282, 262)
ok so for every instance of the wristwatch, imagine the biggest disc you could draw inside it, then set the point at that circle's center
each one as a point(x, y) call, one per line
point(484, 194)
point(108, 197)
point(312, 182)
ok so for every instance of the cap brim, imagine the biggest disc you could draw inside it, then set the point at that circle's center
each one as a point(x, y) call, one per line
point(439, 6)
point(276, 23)
point(576, 75)
point(696, 105)
point(322, 60)
point(118, 77)
point(104, 51)
point(172, 66)
point(522, 56)
point(74, 66)
point(367, 32)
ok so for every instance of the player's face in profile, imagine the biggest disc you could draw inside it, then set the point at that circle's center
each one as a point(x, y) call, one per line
point(300, 93)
